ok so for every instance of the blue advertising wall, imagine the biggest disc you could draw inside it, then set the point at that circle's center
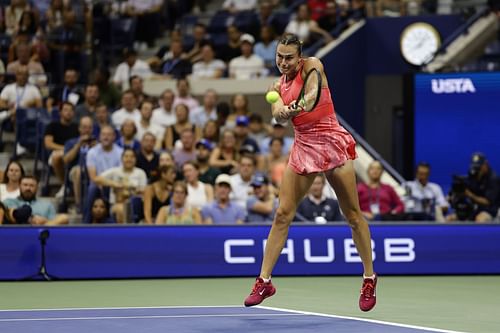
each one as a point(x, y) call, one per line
point(183, 251)
point(455, 116)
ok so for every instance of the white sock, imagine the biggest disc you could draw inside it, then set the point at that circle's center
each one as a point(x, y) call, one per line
point(266, 280)
point(369, 277)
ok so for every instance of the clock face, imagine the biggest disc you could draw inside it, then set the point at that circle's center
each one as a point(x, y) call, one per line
point(419, 43)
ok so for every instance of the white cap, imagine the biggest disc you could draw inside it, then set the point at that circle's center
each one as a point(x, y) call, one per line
point(247, 38)
point(223, 178)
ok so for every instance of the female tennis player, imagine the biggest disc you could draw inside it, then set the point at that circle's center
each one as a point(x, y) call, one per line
point(321, 145)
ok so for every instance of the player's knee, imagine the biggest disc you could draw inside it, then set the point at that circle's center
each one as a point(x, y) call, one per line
point(284, 216)
point(354, 218)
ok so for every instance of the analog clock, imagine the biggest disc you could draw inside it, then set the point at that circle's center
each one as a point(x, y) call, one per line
point(419, 43)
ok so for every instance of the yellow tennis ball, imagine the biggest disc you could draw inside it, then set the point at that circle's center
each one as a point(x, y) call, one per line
point(272, 97)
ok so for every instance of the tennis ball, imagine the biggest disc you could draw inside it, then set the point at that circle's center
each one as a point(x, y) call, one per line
point(272, 97)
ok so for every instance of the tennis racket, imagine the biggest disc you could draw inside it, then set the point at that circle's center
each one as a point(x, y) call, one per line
point(312, 89)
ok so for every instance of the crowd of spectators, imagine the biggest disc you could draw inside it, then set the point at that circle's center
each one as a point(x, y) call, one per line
point(124, 156)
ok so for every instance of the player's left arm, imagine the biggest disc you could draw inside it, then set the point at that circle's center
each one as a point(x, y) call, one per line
point(312, 85)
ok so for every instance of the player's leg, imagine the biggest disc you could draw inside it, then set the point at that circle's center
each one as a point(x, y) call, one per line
point(292, 190)
point(343, 181)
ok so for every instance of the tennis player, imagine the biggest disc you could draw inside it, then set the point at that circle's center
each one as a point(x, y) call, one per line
point(321, 145)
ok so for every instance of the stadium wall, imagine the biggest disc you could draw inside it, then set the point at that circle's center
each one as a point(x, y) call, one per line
point(86, 252)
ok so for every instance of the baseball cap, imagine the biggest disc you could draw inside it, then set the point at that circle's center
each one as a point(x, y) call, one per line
point(223, 179)
point(247, 149)
point(477, 160)
point(274, 123)
point(259, 179)
point(247, 38)
point(205, 143)
point(242, 121)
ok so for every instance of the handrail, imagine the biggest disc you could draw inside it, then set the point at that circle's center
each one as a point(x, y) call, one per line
point(373, 153)
point(457, 33)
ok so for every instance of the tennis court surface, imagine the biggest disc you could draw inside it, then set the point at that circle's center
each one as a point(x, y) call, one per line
point(191, 319)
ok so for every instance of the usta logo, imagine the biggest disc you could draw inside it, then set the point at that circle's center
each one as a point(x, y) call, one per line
point(453, 86)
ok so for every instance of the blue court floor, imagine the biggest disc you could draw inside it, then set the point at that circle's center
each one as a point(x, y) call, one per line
point(223, 319)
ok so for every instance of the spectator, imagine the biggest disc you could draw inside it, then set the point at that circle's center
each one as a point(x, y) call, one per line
point(378, 200)
point(54, 14)
point(89, 105)
point(147, 14)
point(159, 193)
point(179, 211)
point(256, 128)
point(225, 156)
point(262, 204)
point(173, 132)
point(423, 197)
point(240, 182)
point(223, 210)
point(5, 217)
point(127, 111)
point(13, 14)
point(75, 152)
point(248, 65)
point(28, 23)
point(100, 212)
point(235, 6)
point(147, 158)
point(40, 212)
point(200, 39)
point(275, 161)
point(56, 135)
point(184, 96)
point(67, 92)
point(477, 198)
point(125, 181)
point(165, 115)
point(9, 188)
point(207, 111)
point(329, 20)
point(129, 67)
point(128, 133)
point(208, 67)
point(207, 174)
point(266, 48)
point(20, 94)
point(108, 93)
point(105, 155)
point(232, 49)
point(199, 193)
point(65, 43)
point(211, 131)
point(136, 84)
point(279, 131)
point(239, 107)
point(304, 27)
point(187, 151)
point(176, 67)
point(35, 69)
point(146, 125)
point(242, 138)
point(102, 118)
point(315, 207)
point(223, 112)
point(317, 8)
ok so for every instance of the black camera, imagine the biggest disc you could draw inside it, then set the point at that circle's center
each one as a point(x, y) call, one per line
point(461, 203)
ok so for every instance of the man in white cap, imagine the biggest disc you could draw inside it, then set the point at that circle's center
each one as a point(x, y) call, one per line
point(248, 65)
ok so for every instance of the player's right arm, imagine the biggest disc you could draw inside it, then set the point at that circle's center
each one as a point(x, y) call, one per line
point(280, 111)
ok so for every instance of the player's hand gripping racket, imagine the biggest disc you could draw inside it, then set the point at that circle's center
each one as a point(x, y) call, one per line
point(310, 93)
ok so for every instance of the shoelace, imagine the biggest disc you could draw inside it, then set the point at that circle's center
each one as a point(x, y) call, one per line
point(256, 287)
point(367, 290)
